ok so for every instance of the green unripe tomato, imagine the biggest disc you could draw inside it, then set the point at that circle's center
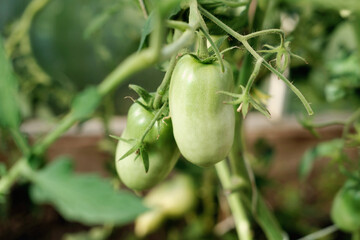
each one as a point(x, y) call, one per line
point(203, 125)
point(171, 199)
point(160, 146)
point(345, 211)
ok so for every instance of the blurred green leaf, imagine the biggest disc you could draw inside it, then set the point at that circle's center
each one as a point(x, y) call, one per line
point(85, 103)
point(85, 198)
point(147, 29)
point(331, 149)
point(167, 10)
point(99, 21)
point(9, 105)
point(345, 76)
point(334, 91)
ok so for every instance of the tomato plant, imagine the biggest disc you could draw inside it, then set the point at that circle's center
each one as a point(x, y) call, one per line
point(203, 124)
point(198, 112)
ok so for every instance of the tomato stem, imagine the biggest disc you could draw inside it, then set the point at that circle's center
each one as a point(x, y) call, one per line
point(243, 40)
point(179, 25)
point(238, 211)
point(253, 76)
point(202, 50)
point(23, 25)
point(21, 167)
point(216, 49)
point(151, 124)
point(42, 145)
point(266, 32)
point(20, 141)
point(321, 233)
point(161, 90)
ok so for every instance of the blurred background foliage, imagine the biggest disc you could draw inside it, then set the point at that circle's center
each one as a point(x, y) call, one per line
point(72, 44)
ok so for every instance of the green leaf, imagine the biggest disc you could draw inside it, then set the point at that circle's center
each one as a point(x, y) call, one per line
point(331, 149)
point(147, 29)
point(86, 198)
point(85, 103)
point(167, 9)
point(9, 105)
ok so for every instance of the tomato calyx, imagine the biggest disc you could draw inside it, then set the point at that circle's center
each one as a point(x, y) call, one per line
point(245, 100)
point(283, 54)
point(139, 145)
point(147, 98)
point(207, 60)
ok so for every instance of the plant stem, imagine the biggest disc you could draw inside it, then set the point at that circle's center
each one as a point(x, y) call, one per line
point(253, 76)
point(253, 201)
point(216, 50)
point(62, 127)
point(16, 170)
point(23, 25)
point(134, 63)
point(321, 233)
point(151, 124)
point(264, 32)
point(202, 52)
point(161, 90)
point(241, 221)
point(20, 141)
point(235, 4)
point(328, 124)
point(180, 25)
point(237, 162)
point(143, 8)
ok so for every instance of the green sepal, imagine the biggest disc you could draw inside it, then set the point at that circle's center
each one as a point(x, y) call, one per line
point(145, 158)
point(123, 139)
point(208, 60)
point(131, 150)
point(142, 93)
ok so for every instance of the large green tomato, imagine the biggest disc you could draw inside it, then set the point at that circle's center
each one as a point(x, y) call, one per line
point(159, 144)
point(203, 125)
point(345, 211)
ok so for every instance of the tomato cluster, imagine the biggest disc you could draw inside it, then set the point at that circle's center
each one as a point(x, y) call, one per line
point(201, 126)
point(159, 144)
